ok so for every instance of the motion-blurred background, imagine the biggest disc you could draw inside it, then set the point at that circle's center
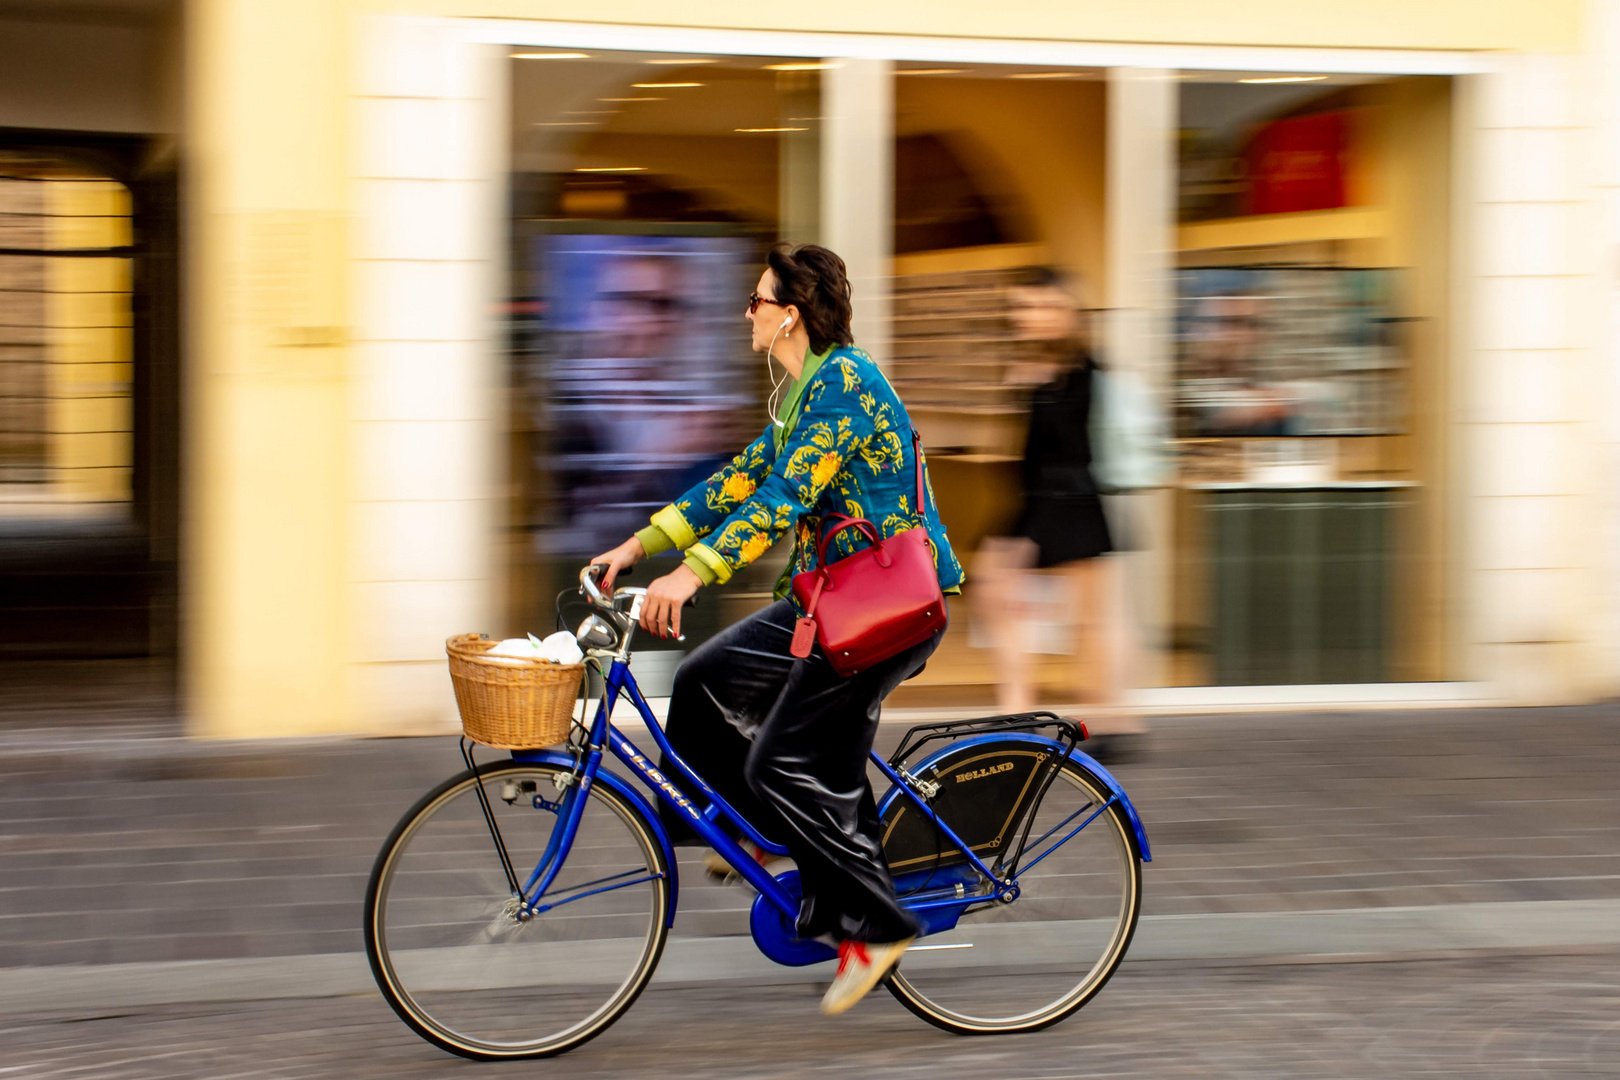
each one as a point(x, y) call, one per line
point(331, 329)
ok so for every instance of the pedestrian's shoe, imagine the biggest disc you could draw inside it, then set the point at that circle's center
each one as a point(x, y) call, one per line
point(719, 870)
point(1117, 748)
point(861, 966)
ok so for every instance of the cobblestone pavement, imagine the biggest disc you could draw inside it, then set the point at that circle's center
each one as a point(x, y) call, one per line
point(117, 849)
point(1484, 1017)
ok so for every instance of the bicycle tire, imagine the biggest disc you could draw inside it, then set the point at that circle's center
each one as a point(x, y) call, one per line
point(918, 994)
point(410, 1004)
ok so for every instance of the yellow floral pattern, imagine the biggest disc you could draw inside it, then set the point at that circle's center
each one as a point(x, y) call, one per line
point(849, 453)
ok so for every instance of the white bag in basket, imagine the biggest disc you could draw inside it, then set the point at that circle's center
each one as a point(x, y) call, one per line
point(559, 648)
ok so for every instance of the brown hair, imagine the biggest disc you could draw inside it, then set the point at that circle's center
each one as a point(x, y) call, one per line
point(814, 280)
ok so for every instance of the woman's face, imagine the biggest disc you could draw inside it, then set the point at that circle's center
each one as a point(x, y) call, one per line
point(767, 319)
point(1043, 314)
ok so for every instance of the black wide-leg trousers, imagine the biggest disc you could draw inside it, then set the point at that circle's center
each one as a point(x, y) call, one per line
point(785, 741)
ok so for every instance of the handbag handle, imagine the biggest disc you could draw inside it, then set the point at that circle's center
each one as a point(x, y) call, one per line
point(844, 521)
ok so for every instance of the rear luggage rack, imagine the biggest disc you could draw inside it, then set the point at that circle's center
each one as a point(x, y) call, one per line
point(1066, 730)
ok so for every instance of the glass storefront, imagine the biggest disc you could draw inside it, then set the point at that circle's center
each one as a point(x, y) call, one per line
point(1296, 537)
point(1309, 341)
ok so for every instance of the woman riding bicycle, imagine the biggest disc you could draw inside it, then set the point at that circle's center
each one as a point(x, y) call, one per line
point(783, 739)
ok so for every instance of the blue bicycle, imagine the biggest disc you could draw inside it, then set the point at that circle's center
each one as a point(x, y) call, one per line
point(519, 908)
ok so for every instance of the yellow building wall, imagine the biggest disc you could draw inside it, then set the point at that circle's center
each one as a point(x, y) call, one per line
point(1550, 25)
point(265, 641)
point(269, 140)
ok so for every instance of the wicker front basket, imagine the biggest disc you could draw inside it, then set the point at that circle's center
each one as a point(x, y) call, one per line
point(515, 705)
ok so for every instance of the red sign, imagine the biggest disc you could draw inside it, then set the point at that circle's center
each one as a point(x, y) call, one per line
point(1297, 164)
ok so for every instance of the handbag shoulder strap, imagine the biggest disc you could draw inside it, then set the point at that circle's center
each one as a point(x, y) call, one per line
point(916, 461)
point(916, 453)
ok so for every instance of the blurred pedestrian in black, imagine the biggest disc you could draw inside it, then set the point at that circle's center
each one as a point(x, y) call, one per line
point(1061, 532)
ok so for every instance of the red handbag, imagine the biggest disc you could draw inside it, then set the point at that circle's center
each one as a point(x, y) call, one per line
point(875, 603)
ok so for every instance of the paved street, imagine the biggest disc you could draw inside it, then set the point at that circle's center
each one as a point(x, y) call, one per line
point(1496, 1016)
point(120, 849)
point(151, 888)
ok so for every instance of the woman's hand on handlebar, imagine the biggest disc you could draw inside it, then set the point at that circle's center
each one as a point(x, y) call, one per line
point(661, 607)
point(625, 555)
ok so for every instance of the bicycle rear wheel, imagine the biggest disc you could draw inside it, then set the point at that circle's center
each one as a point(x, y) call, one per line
point(442, 932)
point(1023, 965)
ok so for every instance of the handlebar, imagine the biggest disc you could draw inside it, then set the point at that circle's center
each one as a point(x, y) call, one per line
point(588, 584)
point(588, 579)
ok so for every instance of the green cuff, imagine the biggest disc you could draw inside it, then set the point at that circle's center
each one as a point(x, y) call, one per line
point(708, 564)
point(654, 540)
point(676, 527)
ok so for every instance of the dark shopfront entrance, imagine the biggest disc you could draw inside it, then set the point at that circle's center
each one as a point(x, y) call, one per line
point(89, 429)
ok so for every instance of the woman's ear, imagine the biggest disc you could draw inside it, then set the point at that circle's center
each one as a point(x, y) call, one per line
point(792, 319)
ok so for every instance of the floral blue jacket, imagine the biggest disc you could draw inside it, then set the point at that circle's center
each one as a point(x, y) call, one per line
point(847, 450)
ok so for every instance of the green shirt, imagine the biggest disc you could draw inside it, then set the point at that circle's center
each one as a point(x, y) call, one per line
point(787, 414)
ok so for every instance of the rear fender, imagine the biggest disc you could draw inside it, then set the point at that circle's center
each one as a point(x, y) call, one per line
point(637, 801)
point(1089, 763)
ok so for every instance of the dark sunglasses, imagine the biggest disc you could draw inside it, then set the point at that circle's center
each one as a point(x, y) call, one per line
point(754, 300)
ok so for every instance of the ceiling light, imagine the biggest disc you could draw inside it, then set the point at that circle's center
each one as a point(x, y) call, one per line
point(761, 131)
point(688, 60)
point(1043, 75)
point(929, 71)
point(663, 85)
point(1284, 79)
point(630, 99)
point(805, 65)
point(551, 56)
point(613, 168)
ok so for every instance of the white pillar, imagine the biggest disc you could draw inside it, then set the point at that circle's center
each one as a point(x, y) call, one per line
point(857, 188)
point(429, 192)
point(1141, 221)
point(1604, 65)
point(1530, 439)
point(1139, 296)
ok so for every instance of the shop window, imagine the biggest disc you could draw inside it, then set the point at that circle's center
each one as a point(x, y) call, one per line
point(1308, 345)
point(66, 369)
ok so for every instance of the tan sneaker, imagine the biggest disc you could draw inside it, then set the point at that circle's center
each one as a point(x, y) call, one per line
point(719, 870)
point(861, 966)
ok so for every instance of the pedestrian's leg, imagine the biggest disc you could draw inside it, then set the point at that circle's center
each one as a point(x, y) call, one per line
point(1087, 672)
point(1096, 592)
point(999, 569)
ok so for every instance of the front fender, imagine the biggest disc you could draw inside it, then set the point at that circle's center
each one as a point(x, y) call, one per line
point(622, 788)
point(1091, 765)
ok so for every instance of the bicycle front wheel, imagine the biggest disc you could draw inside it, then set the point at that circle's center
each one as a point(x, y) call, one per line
point(444, 934)
point(1023, 965)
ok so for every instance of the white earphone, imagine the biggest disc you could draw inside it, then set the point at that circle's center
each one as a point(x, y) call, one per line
point(776, 387)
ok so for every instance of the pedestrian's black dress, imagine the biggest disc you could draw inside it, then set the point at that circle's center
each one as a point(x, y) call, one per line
point(1062, 511)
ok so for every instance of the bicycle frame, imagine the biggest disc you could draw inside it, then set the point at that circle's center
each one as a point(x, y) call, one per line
point(936, 909)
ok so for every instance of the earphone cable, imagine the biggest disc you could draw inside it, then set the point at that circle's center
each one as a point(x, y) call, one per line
point(776, 387)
